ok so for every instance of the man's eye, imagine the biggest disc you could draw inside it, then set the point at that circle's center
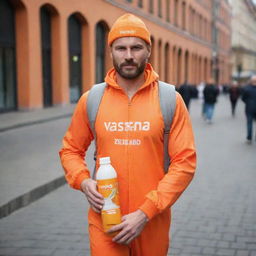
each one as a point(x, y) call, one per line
point(137, 48)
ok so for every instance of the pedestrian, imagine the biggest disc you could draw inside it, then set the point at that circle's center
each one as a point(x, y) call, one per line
point(210, 98)
point(185, 91)
point(234, 94)
point(129, 112)
point(249, 98)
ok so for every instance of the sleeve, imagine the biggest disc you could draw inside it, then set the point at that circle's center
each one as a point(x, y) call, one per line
point(75, 143)
point(183, 164)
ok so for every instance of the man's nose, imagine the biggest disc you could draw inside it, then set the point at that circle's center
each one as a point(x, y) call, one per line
point(128, 54)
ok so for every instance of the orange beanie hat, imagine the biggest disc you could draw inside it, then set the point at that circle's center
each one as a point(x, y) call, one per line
point(128, 25)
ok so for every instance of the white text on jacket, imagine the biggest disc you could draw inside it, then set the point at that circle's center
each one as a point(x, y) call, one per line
point(127, 126)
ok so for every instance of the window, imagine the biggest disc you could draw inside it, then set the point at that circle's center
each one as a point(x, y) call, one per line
point(184, 15)
point(151, 6)
point(168, 10)
point(160, 8)
point(100, 52)
point(176, 9)
point(7, 57)
point(75, 55)
point(45, 17)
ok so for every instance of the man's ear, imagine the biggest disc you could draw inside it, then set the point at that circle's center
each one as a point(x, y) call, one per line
point(110, 53)
point(149, 50)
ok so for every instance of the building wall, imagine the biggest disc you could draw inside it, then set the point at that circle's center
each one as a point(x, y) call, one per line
point(181, 35)
point(243, 36)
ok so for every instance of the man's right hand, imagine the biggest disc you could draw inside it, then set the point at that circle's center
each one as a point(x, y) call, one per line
point(95, 199)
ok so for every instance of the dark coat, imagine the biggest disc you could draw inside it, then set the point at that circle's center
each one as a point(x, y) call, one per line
point(186, 93)
point(210, 94)
point(234, 93)
point(249, 98)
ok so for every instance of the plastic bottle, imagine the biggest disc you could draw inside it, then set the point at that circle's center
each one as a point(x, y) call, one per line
point(108, 186)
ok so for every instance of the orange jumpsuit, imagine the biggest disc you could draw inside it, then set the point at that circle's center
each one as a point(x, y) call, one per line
point(130, 131)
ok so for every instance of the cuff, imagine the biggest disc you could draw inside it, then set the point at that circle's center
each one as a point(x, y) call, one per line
point(79, 179)
point(149, 209)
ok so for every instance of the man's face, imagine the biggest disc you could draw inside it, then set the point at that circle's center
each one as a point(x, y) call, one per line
point(130, 55)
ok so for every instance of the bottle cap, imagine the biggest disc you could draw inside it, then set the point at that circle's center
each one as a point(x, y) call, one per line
point(105, 160)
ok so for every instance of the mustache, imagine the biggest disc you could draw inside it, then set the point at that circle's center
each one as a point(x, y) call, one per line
point(128, 63)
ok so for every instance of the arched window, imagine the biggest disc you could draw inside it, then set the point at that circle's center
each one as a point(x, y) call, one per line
point(101, 33)
point(176, 12)
point(160, 58)
point(140, 3)
point(186, 66)
point(46, 44)
point(205, 70)
point(167, 63)
point(179, 67)
point(7, 57)
point(151, 6)
point(160, 8)
point(184, 15)
point(75, 55)
point(168, 10)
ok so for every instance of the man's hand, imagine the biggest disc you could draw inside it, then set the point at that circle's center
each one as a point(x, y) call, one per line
point(95, 199)
point(131, 226)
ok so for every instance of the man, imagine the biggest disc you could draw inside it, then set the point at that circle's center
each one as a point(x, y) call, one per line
point(146, 193)
point(185, 91)
point(249, 98)
point(210, 98)
point(234, 94)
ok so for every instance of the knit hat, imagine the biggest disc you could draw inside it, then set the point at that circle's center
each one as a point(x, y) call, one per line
point(128, 25)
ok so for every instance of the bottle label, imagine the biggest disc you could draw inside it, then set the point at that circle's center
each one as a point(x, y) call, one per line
point(109, 190)
point(110, 213)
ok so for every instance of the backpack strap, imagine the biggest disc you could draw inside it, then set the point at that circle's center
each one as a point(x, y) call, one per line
point(93, 103)
point(167, 98)
point(92, 107)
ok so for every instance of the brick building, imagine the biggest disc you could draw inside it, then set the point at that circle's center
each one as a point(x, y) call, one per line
point(51, 51)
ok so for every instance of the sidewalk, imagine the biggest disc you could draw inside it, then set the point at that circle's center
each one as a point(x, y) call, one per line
point(19, 119)
point(22, 181)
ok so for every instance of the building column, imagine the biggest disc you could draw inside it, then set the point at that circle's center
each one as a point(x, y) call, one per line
point(60, 61)
point(29, 69)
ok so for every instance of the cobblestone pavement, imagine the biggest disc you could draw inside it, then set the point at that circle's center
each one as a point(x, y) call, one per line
point(215, 216)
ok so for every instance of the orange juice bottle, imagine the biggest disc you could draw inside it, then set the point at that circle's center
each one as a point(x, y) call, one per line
point(108, 186)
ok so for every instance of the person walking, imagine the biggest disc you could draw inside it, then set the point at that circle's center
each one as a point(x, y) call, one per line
point(234, 94)
point(249, 98)
point(210, 98)
point(185, 91)
point(146, 192)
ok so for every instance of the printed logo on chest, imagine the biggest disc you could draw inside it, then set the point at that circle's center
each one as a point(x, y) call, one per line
point(127, 126)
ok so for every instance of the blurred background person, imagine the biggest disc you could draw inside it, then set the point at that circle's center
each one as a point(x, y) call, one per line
point(234, 94)
point(210, 98)
point(185, 91)
point(249, 98)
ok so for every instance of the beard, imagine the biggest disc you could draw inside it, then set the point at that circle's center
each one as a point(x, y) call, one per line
point(127, 74)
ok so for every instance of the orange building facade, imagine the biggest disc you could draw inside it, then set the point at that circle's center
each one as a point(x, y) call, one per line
point(52, 51)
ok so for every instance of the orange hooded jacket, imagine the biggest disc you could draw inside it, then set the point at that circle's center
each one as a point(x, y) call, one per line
point(130, 131)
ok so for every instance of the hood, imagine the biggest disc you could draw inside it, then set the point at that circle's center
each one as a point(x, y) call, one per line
point(150, 77)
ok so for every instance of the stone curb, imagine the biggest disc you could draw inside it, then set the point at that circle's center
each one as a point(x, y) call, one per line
point(31, 196)
point(28, 123)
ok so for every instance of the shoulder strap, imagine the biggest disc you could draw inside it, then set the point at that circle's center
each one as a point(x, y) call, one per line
point(167, 98)
point(92, 107)
point(93, 103)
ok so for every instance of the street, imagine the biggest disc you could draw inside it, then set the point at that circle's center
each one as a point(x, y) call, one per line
point(216, 215)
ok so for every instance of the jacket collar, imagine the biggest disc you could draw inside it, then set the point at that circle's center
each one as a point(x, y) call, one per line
point(150, 77)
